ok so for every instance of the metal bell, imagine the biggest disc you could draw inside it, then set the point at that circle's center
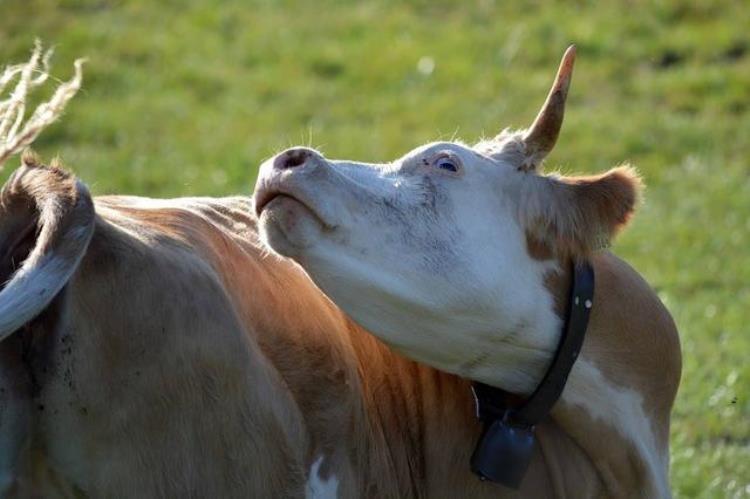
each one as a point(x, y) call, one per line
point(503, 453)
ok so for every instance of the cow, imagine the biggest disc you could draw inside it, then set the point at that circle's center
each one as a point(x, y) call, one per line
point(461, 257)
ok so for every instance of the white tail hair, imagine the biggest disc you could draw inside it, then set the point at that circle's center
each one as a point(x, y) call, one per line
point(16, 131)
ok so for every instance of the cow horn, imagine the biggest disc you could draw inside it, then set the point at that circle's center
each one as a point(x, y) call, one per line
point(55, 209)
point(540, 138)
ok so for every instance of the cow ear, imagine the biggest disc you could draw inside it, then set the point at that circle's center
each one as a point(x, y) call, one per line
point(574, 216)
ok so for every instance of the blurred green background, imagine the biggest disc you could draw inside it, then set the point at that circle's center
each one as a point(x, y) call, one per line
point(188, 97)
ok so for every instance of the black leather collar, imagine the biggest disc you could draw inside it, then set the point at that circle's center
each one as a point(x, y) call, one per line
point(506, 445)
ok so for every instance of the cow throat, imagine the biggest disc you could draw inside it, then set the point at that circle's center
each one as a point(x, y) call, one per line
point(505, 447)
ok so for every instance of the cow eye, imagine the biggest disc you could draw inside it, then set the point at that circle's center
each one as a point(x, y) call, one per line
point(447, 163)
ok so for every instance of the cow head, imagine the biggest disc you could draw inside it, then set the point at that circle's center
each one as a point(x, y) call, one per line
point(443, 252)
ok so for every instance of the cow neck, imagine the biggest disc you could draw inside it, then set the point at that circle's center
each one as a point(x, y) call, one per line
point(505, 447)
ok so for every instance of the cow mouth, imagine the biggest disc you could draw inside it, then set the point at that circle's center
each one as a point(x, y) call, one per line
point(267, 198)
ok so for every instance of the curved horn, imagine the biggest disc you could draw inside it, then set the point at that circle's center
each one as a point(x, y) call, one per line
point(542, 135)
point(63, 217)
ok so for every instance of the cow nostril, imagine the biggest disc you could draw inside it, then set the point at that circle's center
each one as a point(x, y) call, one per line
point(292, 158)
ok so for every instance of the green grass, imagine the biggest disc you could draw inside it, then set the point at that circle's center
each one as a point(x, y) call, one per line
point(187, 97)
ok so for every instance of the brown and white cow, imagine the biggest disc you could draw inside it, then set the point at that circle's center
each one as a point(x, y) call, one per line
point(459, 257)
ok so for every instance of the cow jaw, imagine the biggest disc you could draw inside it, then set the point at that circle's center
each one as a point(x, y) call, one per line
point(289, 225)
point(414, 259)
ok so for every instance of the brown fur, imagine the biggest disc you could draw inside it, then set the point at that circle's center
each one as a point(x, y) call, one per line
point(633, 341)
point(575, 216)
point(631, 338)
point(182, 360)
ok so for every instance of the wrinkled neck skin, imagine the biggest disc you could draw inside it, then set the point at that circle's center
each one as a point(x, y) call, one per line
point(511, 352)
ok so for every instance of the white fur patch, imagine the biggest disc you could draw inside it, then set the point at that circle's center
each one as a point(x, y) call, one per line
point(623, 409)
point(318, 488)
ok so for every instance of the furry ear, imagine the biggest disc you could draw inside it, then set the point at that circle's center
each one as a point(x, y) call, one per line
point(574, 216)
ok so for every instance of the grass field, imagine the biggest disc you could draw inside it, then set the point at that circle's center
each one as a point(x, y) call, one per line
point(187, 97)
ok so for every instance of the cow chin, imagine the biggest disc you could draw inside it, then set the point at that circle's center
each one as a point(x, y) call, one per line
point(289, 227)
